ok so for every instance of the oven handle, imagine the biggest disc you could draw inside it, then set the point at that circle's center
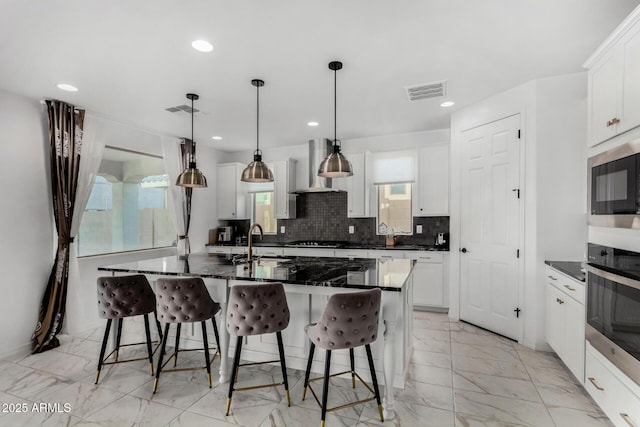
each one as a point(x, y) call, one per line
point(614, 277)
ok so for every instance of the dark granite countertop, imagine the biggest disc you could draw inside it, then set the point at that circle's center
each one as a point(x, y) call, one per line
point(572, 269)
point(398, 247)
point(359, 273)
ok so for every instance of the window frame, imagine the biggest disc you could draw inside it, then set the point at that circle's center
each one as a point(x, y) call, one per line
point(379, 186)
point(253, 210)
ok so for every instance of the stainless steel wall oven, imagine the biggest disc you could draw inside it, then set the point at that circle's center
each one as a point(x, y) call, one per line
point(614, 187)
point(613, 306)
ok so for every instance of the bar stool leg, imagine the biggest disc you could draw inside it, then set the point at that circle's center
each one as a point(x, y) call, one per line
point(103, 349)
point(158, 325)
point(149, 350)
point(175, 354)
point(283, 365)
point(161, 356)
point(118, 336)
point(375, 380)
point(205, 341)
point(325, 387)
point(234, 371)
point(308, 371)
point(216, 334)
point(352, 359)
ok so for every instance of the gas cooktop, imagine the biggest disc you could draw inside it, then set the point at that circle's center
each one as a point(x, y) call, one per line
point(313, 244)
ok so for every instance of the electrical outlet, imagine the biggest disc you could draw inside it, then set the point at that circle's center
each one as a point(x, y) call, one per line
point(282, 229)
point(352, 229)
point(418, 229)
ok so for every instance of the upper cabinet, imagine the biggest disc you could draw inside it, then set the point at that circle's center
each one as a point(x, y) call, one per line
point(431, 190)
point(232, 195)
point(360, 196)
point(614, 86)
point(284, 177)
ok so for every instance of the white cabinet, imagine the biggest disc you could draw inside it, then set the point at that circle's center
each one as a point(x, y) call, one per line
point(614, 89)
point(431, 190)
point(360, 195)
point(430, 287)
point(565, 320)
point(312, 252)
point(232, 195)
point(284, 177)
point(268, 251)
point(616, 394)
point(351, 253)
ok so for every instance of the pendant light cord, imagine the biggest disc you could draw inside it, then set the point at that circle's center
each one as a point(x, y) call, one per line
point(193, 142)
point(257, 118)
point(335, 106)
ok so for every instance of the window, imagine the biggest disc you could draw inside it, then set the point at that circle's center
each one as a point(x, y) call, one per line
point(394, 209)
point(263, 211)
point(127, 209)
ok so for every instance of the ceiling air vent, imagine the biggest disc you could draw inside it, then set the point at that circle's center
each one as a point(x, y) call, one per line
point(426, 90)
point(183, 107)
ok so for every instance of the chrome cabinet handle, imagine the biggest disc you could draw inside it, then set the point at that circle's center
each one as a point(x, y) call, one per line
point(627, 418)
point(613, 121)
point(559, 301)
point(552, 278)
point(569, 287)
point(595, 384)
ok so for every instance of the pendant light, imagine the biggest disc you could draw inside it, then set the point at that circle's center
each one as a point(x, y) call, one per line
point(335, 165)
point(191, 176)
point(257, 170)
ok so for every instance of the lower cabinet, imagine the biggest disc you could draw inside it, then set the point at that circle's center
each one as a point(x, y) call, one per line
point(429, 279)
point(565, 320)
point(614, 392)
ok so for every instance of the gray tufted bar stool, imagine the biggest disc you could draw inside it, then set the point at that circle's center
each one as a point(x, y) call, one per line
point(349, 320)
point(185, 300)
point(257, 309)
point(120, 297)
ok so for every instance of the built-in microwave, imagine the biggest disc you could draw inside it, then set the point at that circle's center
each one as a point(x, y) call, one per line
point(613, 306)
point(614, 187)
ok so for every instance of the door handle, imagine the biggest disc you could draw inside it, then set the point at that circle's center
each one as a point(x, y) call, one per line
point(552, 278)
point(569, 287)
point(559, 301)
point(464, 250)
point(613, 121)
point(627, 419)
point(595, 384)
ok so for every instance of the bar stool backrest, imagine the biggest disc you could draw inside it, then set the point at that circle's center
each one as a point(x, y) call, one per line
point(124, 296)
point(257, 309)
point(184, 300)
point(349, 320)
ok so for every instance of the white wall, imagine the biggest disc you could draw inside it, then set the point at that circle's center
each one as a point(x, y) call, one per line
point(553, 119)
point(26, 219)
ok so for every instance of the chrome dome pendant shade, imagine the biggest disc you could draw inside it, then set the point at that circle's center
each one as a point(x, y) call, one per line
point(336, 164)
point(192, 177)
point(257, 170)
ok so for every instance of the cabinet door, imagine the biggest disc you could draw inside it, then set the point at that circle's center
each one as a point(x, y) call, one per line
point(356, 194)
point(428, 284)
point(631, 82)
point(284, 176)
point(556, 320)
point(432, 188)
point(227, 191)
point(605, 81)
point(574, 330)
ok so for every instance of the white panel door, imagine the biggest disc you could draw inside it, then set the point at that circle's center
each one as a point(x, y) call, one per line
point(490, 226)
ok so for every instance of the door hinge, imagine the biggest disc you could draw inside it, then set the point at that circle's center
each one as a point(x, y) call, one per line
point(517, 191)
point(517, 311)
point(518, 133)
point(517, 253)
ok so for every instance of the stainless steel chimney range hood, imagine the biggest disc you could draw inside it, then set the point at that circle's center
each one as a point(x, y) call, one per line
point(318, 151)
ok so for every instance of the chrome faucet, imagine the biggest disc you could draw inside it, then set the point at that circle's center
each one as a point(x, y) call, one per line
point(250, 240)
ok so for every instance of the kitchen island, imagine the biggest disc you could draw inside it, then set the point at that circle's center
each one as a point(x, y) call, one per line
point(308, 281)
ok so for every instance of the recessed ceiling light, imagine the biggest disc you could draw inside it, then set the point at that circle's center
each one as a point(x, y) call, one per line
point(217, 138)
point(447, 104)
point(67, 87)
point(202, 45)
point(312, 124)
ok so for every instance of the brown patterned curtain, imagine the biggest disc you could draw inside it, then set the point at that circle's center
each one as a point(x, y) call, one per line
point(186, 148)
point(65, 138)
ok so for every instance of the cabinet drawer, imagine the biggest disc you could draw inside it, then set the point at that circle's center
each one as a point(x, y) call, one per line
point(385, 254)
point(268, 251)
point(422, 256)
point(569, 286)
point(224, 250)
point(620, 404)
point(351, 253)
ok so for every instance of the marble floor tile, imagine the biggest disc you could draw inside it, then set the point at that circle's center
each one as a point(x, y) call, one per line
point(559, 377)
point(173, 391)
point(431, 334)
point(338, 395)
point(484, 352)
point(82, 399)
point(566, 417)
point(431, 375)
point(121, 378)
point(500, 368)
point(296, 415)
point(465, 420)
point(474, 338)
point(430, 358)
point(569, 396)
point(428, 344)
point(131, 410)
point(408, 414)
point(62, 364)
point(35, 418)
point(191, 419)
point(502, 409)
point(540, 359)
point(426, 395)
point(497, 386)
point(29, 383)
point(81, 347)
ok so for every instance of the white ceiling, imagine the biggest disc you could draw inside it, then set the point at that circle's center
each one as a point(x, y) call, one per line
point(133, 59)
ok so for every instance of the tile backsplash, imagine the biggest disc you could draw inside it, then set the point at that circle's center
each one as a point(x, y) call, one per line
point(323, 217)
